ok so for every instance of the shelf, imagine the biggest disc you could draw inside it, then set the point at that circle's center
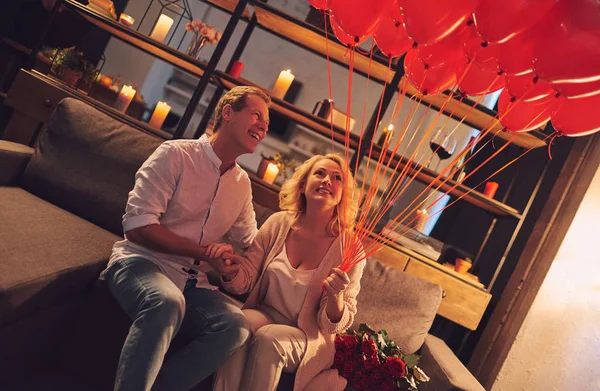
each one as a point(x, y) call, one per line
point(139, 40)
point(476, 118)
point(318, 124)
point(313, 39)
point(228, 6)
point(111, 111)
point(473, 197)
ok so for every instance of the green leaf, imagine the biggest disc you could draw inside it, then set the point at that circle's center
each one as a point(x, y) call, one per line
point(403, 383)
point(411, 360)
point(364, 328)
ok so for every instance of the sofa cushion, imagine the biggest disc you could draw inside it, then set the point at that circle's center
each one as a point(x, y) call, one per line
point(402, 304)
point(86, 163)
point(46, 254)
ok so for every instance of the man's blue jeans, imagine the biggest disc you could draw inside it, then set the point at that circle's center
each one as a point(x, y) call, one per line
point(157, 308)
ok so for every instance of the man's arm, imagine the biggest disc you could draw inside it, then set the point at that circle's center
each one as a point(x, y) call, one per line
point(158, 238)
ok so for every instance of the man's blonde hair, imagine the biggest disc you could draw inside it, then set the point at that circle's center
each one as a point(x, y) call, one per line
point(291, 197)
point(236, 98)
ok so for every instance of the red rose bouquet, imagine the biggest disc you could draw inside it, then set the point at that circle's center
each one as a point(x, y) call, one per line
point(370, 360)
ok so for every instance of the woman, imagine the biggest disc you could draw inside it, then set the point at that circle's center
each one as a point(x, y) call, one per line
point(299, 298)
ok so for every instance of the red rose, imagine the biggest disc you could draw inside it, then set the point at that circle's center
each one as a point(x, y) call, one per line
point(379, 374)
point(371, 361)
point(357, 377)
point(389, 385)
point(369, 347)
point(347, 369)
point(396, 366)
point(346, 343)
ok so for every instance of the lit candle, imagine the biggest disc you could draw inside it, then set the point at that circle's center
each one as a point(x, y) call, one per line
point(124, 98)
point(490, 189)
point(126, 20)
point(386, 135)
point(283, 83)
point(271, 173)
point(162, 27)
point(159, 115)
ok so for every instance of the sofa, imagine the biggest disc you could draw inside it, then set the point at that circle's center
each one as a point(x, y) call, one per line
point(61, 208)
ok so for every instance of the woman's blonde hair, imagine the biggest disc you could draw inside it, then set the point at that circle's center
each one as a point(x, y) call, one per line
point(291, 197)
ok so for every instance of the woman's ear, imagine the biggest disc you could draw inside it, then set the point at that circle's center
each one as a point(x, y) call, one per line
point(301, 186)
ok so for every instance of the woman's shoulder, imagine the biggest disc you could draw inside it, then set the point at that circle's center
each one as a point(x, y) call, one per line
point(277, 221)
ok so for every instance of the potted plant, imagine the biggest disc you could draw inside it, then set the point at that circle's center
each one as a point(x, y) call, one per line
point(71, 67)
point(462, 266)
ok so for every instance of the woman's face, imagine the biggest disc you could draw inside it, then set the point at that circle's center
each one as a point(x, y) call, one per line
point(324, 184)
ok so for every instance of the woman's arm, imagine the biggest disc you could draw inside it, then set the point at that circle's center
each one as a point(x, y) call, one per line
point(336, 316)
point(250, 264)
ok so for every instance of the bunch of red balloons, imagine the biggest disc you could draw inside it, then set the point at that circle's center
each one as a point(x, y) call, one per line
point(544, 54)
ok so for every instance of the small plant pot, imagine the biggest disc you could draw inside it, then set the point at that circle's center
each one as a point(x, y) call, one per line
point(71, 77)
point(461, 266)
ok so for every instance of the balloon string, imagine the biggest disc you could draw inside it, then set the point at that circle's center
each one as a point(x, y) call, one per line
point(329, 84)
point(554, 136)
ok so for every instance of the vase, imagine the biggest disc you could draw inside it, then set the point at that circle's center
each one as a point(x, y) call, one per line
point(195, 47)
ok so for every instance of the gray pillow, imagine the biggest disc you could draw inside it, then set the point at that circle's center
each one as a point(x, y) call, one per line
point(86, 162)
point(402, 304)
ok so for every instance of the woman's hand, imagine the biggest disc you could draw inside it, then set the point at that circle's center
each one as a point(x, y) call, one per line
point(216, 250)
point(337, 282)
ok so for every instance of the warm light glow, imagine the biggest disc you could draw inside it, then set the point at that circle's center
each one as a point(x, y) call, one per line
point(124, 99)
point(162, 27)
point(283, 83)
point(271, 173)
point(126, 20)
point(160, 113)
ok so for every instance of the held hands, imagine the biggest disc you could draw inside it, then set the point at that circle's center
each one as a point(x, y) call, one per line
point(222, 258)
point(337, 282)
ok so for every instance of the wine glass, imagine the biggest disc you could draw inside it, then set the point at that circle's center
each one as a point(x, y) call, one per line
point(443, 144)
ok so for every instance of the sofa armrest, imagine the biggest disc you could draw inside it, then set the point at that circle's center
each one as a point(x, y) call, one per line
point(444, 368)
point(13, 159)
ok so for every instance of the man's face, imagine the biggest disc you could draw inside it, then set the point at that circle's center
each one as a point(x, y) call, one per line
point(248, 126)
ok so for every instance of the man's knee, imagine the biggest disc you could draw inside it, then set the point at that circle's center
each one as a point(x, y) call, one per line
point(235, 328)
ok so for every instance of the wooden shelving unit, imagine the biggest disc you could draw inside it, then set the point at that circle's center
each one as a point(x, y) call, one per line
point(313, 39)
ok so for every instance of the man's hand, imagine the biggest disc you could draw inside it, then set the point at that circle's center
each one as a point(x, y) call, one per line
point(216, 250)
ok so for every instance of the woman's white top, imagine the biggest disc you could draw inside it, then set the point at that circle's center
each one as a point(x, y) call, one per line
point(284, 289)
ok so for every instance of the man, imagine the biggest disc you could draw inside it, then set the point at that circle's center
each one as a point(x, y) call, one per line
point(187, 195)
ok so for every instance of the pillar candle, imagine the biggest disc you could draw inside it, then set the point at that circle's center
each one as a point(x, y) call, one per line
point(421, 220)
point(124, 98)
point(162, 27)
point(283, 83)
point(490, 189)
point(159, 115)
point(271, 173)
point(236, 69)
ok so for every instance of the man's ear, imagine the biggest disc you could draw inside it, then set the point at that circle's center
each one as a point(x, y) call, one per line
point(227, 112)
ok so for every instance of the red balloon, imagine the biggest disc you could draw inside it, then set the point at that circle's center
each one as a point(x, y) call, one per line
point(528, 87)
point(446, 51)
point(577, 117)
point(479, 51)
point(515, 56)
point(391, 38)
point(358, 18)
point(497, 21)
point(428, 21)
point(319, 4)
point(568, 50)
point(578, 90)
point(396, 12)
point(519, 116)
point(427, 80)
point(344, 37)
point(473, 80)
